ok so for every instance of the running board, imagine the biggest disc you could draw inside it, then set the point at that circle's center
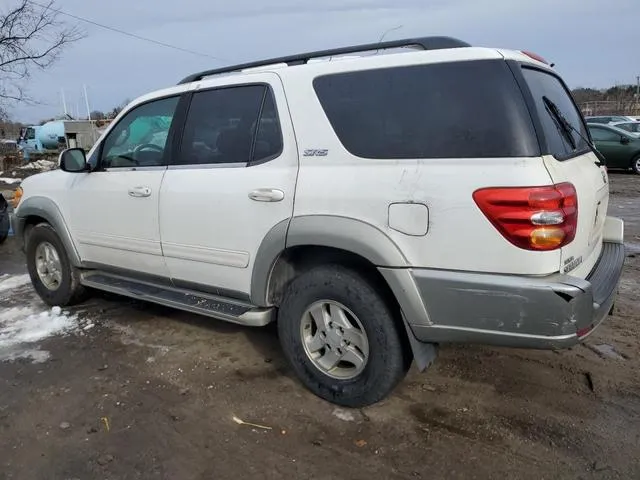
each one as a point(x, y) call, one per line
point(220, 308)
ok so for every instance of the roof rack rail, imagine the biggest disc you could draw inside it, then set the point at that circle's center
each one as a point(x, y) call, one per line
point(427, 43)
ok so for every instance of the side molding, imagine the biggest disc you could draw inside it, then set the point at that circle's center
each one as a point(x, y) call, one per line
point(341, 233)
point(45, 208)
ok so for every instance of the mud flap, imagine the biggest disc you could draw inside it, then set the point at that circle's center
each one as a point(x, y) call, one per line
point(424, 354)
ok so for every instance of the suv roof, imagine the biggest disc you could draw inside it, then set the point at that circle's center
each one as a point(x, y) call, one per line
point(426, 43)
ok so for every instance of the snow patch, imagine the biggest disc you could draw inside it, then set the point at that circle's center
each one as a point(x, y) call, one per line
point(39, 165)
point(20, 327)
point(344, 415)
point(7, 282)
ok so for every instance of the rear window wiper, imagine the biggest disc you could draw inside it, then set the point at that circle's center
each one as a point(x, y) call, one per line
point(563, 123)
point(567, 129)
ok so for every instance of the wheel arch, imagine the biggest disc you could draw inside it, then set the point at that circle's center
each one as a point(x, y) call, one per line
point(34, 210)
point(321, 236)
point(293, 246)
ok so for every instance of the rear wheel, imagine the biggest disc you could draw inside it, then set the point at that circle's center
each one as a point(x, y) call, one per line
point(635, 164)
point(341, 338)
point(55, 280)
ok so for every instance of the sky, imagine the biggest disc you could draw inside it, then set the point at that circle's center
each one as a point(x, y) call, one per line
point(591, 43)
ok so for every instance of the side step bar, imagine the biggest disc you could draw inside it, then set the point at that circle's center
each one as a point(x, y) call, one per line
point(191, 301)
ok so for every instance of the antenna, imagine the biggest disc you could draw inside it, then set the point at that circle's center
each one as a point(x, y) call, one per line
point(384, 34)
point(86, 100)
point(64, 101)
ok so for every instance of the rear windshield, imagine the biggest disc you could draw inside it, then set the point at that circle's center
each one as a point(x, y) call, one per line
point(557, 141)
point(468, 109)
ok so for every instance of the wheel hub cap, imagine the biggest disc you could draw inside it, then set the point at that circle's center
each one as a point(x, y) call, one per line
point(48, 266)
point(334, 340)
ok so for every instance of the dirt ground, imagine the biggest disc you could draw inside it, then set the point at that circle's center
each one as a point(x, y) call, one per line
point(150, 393)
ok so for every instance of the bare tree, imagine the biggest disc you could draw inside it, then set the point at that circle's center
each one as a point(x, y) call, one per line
point(32, 36)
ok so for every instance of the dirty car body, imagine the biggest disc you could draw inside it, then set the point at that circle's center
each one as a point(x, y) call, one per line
point(387, 249)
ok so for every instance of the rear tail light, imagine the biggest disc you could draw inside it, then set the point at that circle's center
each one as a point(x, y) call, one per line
point(534, 56)
point(533, 218)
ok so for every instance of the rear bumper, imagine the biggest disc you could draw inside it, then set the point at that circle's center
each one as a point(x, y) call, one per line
point(525, 312)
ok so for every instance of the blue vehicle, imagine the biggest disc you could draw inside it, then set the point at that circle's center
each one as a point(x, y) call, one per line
point(39, 138)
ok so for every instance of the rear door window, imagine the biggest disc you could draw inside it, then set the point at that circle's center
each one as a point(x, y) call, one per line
point(543, 84)
point(470, 109)
point(231, 125)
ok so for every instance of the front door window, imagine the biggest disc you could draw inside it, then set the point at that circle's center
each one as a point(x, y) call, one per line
point(140, 139)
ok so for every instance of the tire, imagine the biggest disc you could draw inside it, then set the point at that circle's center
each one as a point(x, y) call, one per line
point(635, 164)
point(388, 359)
point(65, 291)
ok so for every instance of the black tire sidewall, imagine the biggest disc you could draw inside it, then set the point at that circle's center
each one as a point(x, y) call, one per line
point(634, 163)
point(387, 363)
point(62, 296)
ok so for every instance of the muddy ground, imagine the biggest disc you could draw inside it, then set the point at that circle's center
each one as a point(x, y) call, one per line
point(150, 393)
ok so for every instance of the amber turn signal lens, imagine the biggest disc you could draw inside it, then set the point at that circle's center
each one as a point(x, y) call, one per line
point(17, 196)
point(547, 237)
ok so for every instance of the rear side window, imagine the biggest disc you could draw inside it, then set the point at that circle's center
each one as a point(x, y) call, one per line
point(559, 143)
point(448, 110)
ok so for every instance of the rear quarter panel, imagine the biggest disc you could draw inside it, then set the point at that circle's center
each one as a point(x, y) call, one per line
point(459, 236)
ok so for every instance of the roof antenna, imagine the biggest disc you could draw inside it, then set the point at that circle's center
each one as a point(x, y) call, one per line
point(384, 34)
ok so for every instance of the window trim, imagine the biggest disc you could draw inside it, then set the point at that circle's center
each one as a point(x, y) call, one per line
point(517, 68)
point(168, 151)
point(188, 99)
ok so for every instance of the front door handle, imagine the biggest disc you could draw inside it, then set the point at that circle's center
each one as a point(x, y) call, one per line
point(266, 195)
point(140, 192)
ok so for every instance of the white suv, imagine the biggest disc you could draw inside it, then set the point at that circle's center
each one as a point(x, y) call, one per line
point(428, 192)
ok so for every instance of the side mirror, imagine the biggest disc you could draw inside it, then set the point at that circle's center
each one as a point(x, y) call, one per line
point(73, 160)
point(624, 140)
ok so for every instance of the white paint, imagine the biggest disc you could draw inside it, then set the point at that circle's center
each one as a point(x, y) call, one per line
point(409, 218)
point(7, 282)
point(21, 327)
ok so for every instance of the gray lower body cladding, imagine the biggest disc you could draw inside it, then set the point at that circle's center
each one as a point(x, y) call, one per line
point(506, 310)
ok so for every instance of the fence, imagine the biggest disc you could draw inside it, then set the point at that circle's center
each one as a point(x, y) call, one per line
point(631, 109)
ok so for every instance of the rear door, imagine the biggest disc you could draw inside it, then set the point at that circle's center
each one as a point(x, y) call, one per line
point(231, 183)
point(569, 158)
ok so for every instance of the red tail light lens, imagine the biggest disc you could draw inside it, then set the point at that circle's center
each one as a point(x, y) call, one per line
point(533, 218)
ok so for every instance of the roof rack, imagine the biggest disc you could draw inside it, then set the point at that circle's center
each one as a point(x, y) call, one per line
point(427, 43)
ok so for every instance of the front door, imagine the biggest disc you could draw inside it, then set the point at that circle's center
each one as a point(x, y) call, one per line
point(114, 208)
point(233, 181)
point(612, 145)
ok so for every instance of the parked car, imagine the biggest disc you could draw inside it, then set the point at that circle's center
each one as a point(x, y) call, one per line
point(620, 148)
point(327, 196)
point(632, 127)
point(609, 119)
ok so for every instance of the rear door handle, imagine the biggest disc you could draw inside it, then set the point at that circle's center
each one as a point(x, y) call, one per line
point(140, 192)
point(266, 195)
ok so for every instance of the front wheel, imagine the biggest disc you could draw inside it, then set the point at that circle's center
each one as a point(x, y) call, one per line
point(341, 337)
point(635, 164)
point(55, 280)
